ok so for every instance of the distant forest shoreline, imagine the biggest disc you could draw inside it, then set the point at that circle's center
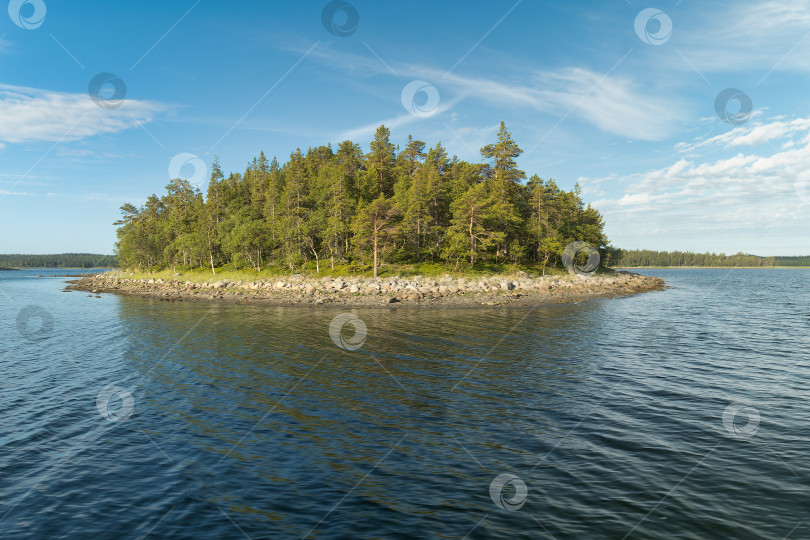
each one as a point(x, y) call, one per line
point(622, 259)
point(15, 261)
point(644, 258)
point(631, 259)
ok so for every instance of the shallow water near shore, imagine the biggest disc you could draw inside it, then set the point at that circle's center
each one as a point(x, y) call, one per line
point(252, 421)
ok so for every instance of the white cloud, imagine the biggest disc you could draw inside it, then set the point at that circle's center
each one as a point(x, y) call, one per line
point(366, 131)
point(747, 199)
point(614, 104)
point(769, 35)
point(753, 135)
point(28, 114)
point(635, 198)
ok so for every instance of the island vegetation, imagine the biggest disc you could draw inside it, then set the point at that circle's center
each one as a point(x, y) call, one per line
point(329, 207)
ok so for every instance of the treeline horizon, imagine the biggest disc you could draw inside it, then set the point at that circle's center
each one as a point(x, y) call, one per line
point(646, 257)
point(58, 260)
point(344, 206)
point(621, 258)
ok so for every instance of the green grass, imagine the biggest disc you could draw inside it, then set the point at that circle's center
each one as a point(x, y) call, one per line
point(426, 269)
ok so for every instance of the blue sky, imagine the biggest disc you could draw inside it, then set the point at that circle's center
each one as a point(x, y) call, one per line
point(618, 96)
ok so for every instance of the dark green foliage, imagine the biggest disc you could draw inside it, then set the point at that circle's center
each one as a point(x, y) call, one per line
point(645, 257)
point(412, 206)
point(792, 261)
point(60, 260)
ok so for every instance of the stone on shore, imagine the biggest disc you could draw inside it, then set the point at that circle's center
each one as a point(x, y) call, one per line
point(519, 289)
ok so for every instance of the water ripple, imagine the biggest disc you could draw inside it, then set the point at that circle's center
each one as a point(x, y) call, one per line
point(249, 420)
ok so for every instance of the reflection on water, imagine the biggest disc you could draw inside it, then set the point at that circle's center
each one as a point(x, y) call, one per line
point(250, 419)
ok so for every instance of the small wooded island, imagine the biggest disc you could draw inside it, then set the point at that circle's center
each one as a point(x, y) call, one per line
point(354, 209)
point(364, 220)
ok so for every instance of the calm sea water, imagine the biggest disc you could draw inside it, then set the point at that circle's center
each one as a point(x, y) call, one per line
point(675, 414)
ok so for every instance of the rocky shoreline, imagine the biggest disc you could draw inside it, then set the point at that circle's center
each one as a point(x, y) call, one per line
point(517, 290)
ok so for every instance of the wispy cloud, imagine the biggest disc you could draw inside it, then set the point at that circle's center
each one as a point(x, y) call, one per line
point(614, 104)
point(771, 35)
point(394, 122)
point(30, 114)
point(765, 192)
point(753, 135)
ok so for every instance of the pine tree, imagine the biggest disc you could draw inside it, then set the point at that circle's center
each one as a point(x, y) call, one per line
point(378, 179)
point(375, 227)
point(470, 230)
point(426, 203)
point(295, 204)
point(272, 197)
point(503, 179)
